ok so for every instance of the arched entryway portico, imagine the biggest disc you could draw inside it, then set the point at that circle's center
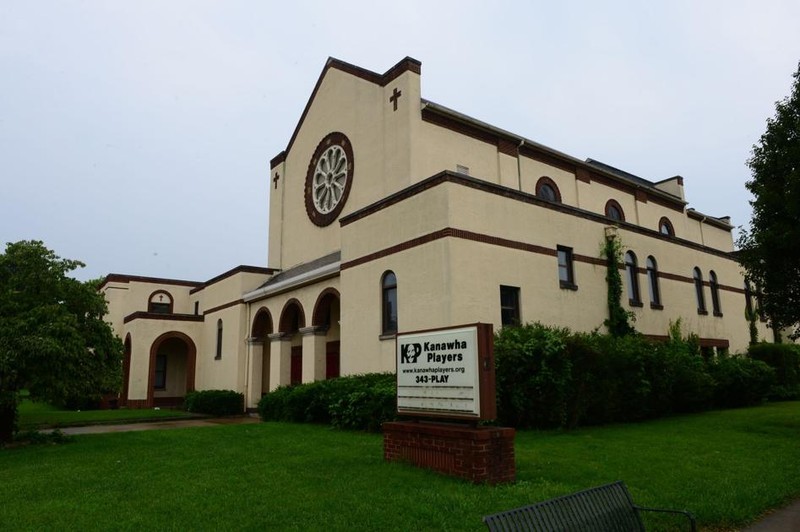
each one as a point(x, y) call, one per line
point(259, 345)
point(325, 321)
point(292, 320)
point(172, 367)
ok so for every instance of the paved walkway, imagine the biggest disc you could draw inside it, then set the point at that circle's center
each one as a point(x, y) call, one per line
point(783, 520)
point(160, 425)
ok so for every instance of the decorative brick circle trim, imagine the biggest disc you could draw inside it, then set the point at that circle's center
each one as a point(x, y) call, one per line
point(331, 139)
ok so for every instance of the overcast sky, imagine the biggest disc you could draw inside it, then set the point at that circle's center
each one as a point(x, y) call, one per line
point(136, 136)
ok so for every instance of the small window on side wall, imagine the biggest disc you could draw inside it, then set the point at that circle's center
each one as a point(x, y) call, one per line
point(652, 284)
point(389, 303)
point(566, 272)
point(218, 354)
point(714, 285)
point(665, 227)
point(547, 189)
point(632, 278)
point(614, 211)
point(509, 306)
point(698, 291)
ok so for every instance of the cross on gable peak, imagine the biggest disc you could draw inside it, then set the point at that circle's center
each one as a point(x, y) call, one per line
point(275, 179)
point(395, 97)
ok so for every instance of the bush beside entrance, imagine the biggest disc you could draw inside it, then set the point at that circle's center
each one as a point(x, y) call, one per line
point(358, 402)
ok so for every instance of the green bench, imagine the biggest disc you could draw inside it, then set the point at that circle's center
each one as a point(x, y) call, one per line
point(604, 508)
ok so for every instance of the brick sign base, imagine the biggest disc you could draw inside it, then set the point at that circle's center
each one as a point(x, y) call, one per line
point(480, 454)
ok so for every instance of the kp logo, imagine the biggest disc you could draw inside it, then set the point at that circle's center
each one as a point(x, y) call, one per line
point(409, 353)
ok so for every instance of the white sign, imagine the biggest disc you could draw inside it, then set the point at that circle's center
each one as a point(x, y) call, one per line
point(437, 372)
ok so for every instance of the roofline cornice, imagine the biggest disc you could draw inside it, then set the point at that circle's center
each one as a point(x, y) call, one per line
point(533, 147)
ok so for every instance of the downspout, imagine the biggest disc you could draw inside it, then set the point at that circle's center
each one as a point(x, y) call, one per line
point(702, 236)
point(248, 355)
point(519, 164)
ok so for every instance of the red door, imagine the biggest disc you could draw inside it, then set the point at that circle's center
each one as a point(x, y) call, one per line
point(297, 365)
point(332, 360)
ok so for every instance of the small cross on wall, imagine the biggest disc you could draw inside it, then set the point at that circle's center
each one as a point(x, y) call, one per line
point(275, 179)
point(394, 97)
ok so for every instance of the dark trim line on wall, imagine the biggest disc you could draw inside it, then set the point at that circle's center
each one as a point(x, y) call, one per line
point(163, 317)
point(122, 278)
point(223, 307)
point(233, 271)
point(492, 188)
point(450, 232)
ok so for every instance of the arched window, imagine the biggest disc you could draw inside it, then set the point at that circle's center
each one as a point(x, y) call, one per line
point(712, 281)
point(632, 278)
point(614, 211)
point(698, 290)
point(160, 302)
point(218, 354)
point(652, 283)
point(546, 189)
point(389, 303)
point(665, 227)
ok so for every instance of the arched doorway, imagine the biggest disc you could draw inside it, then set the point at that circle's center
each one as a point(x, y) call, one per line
point(172, 366)
point(326, 316)
point(292, 320)
point(261, 329)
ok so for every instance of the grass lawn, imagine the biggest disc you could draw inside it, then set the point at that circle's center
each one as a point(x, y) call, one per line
point(34, 415)
point(727, 467)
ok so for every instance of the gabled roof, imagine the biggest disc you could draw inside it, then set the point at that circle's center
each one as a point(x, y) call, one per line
point(404, 65)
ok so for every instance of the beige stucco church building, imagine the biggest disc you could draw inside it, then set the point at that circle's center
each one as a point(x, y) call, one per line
point(390, 212)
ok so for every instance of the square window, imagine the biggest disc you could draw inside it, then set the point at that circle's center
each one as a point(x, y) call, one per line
point(509, 306)
point(566, 272)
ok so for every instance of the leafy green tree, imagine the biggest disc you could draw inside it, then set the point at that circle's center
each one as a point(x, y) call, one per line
point(769, 251)
point(53, 340)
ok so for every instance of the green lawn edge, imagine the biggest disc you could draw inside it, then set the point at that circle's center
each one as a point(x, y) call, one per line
point(727, 467)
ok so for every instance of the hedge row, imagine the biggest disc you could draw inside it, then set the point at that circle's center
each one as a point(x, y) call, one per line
point(359, 402)
point(214, 402)
point(551, 377)
point(785, 359)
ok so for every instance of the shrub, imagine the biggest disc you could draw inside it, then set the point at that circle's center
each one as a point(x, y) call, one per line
point(740, 381)
point(785, 360)
point(550, 377)
point(534, 376)
point(360, 402)
point(214, 402)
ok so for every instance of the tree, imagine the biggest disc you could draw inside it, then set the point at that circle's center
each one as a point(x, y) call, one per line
point(769, 251)
point(53, 340)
